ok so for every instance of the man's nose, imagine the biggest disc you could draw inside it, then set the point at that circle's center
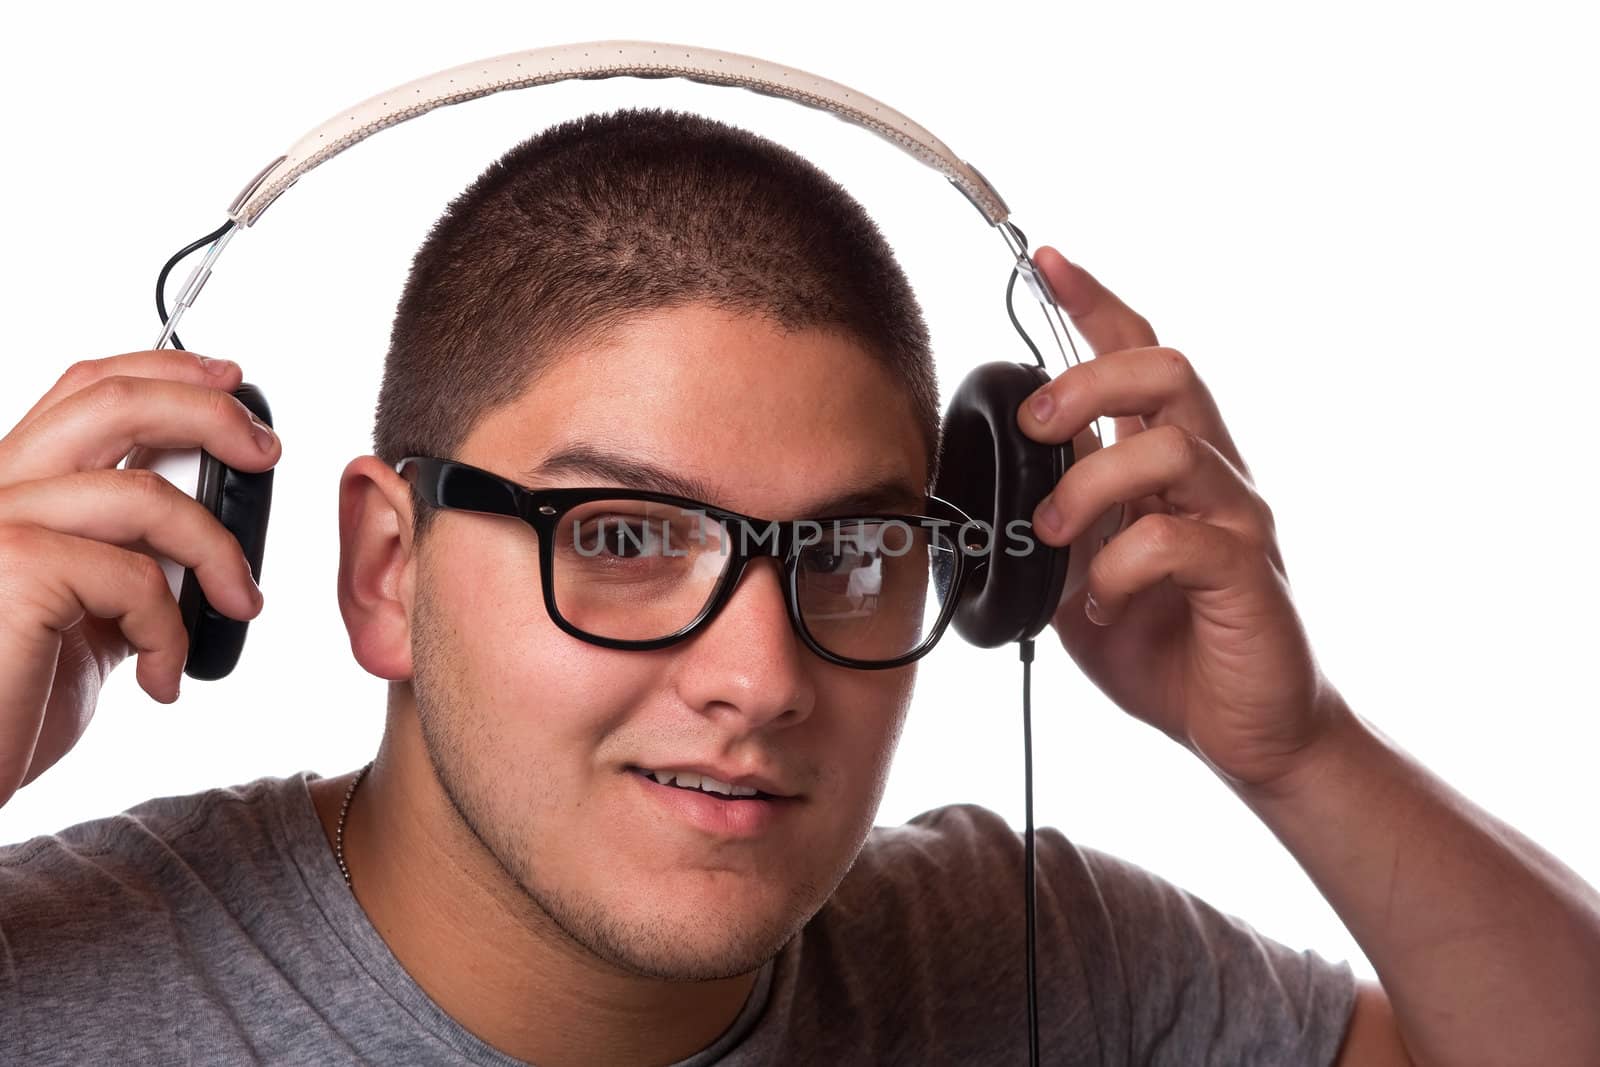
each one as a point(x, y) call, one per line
point(749, 661)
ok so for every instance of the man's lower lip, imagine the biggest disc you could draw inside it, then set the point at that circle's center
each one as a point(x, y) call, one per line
point(743, 817)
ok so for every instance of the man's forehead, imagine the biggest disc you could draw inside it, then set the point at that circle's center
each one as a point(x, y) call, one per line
point(724, 408)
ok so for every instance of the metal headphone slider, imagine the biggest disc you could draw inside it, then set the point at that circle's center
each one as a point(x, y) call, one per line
point(1030, 275)
point(255, 183)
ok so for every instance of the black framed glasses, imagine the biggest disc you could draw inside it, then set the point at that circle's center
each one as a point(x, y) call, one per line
point(639, 570)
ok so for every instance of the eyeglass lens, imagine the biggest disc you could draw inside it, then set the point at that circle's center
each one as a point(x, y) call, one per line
point(639, 570)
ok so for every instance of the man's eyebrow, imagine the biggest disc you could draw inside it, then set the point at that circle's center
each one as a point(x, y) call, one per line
point(886, 494)
point(892, 495)
point(617, 469)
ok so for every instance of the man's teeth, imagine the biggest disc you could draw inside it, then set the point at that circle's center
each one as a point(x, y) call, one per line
point(703, 782)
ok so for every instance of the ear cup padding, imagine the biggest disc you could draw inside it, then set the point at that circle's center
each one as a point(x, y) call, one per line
point(242, 502)
point(996, 474)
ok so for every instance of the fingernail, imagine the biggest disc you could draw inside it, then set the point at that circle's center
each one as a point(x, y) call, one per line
point(263, 434)
point(1049, 517)
point(215, 367)
point(1041, 405)
point(1091, 608)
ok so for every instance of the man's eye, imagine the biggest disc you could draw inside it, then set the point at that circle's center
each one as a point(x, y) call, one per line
point(621, 538)
point(822, 559)
point(629, 540)
point(817, 559)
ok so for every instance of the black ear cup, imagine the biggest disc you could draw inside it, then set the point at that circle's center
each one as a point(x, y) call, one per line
point(995, 473)
point(241, 501)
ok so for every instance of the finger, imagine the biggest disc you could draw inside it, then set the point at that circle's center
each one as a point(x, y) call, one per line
point(52, 580)
point(98, 425)
point(1104, 320)
point(171, 364)
point(1157, 385)
point(1213, 567)
point(1169, 462)
point(140, 508)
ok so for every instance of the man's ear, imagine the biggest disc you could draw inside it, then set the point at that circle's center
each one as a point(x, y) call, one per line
point(377, 566)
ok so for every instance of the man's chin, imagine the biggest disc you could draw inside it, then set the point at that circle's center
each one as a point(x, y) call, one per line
point(688, 936)
point(685, 966)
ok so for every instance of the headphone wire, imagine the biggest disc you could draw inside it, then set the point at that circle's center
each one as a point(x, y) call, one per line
point(161, 279)
point(1026, 649)
point(1011, 310)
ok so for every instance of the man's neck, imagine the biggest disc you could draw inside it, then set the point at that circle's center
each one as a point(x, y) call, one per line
point(483, 950)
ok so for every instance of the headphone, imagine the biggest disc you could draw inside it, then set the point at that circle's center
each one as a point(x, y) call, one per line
point(988, 467)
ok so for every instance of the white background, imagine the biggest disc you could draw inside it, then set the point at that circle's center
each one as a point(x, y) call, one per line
point(1372, 229)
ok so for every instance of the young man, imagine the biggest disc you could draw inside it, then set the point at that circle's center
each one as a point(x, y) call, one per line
point(653, 301)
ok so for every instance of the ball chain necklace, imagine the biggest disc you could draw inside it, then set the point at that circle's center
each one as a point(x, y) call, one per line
point(344, 811)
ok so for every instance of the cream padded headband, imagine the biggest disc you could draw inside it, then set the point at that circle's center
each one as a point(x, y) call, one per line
point(608, 59)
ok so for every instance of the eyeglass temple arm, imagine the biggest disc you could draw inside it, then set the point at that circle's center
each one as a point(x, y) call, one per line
point(451, 484)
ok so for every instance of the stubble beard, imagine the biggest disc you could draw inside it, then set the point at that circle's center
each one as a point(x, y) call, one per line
point(639, 948)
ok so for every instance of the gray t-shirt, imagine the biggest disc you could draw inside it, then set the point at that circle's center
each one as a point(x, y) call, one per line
point(216, 928)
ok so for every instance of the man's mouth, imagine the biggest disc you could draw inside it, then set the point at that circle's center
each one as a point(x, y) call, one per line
point(747, 814)
point(701, 783)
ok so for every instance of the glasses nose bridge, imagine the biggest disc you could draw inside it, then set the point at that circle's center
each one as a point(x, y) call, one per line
point(767, 541)
point(749, 540)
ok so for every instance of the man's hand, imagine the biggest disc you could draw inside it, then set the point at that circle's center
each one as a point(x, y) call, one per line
point(1216, 657)
point(1487, 946)
point(79, 582)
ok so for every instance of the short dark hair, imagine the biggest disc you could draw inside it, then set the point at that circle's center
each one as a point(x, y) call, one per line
point(600, 218)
